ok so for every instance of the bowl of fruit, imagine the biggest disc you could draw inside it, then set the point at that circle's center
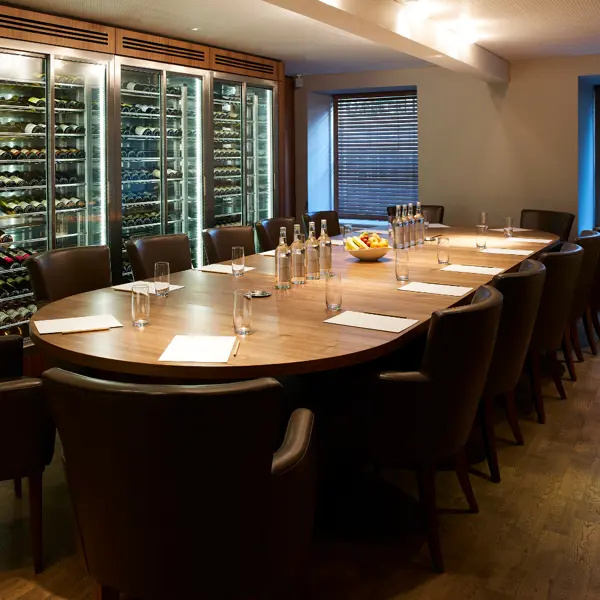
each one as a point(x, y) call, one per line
point(369, 246)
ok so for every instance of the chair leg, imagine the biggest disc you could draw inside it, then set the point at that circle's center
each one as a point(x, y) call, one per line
point(486, 421)
point(568, 354)
point(534, 364)
point(513, 417)
point(575, 340)
point(589, 330)
point(555, 369)
point(107, 593)
point(595, 319)
point(426, 479)
point(35, 520)
point(18, 487)
point(461, 465)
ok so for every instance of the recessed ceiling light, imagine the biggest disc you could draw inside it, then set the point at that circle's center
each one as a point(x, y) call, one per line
point(195, 28)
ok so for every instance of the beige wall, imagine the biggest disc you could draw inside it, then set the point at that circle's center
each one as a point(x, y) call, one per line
point(481, 147)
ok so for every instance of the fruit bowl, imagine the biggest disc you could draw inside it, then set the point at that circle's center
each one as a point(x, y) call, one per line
point(369, 246)
point(369, 254)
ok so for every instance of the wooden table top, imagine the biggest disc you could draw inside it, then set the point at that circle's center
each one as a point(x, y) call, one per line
point(288, 333)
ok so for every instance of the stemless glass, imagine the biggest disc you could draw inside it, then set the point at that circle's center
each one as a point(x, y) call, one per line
point(508, 227)
point(162, 278)
point(401, 264)
point(238, 261)
point(140, 304)
point(426, 219)
point(483, 218)
point(333, 292)
point(346, 230)
point(481, 239)
point(242, 311)
point(443, 250)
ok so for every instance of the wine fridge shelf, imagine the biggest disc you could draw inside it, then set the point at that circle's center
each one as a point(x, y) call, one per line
point(59, 211)
point(148, 137)
point(231, 214)
point(148, 202)
point(148, 116)
point(228, 101)
point(11, 325)
point(124, 181)
point(16, 135)
point(125, 92)
point(14, 298)
point(35, 109)
point(8, 190)
point(41, 83)
point(231, 139)
point(135, 227)
point(217, 120)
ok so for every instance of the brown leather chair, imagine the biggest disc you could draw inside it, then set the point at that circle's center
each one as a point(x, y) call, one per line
point(180, 491)
point(219, 241)
point(26, 435)
point(594, 303)
point(435, 212)
point(562, 271)
point(144, 252)
point(417, 419)
point(558, 223)
point(331, 216)
point(65, 272)
point(267, 232)
point(522, 292)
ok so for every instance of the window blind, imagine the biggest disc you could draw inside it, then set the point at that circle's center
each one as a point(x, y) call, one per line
point(376, 153)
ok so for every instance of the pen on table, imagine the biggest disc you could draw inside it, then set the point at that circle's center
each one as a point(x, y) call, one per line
point(236, 348)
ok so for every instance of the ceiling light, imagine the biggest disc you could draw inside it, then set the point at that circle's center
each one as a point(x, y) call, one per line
point(195, 28)
point(466, 29)
point(416, 10)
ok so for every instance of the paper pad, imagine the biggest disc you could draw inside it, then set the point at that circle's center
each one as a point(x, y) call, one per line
point(77, 324)
point(199, 349)
point(435, 288)
point(370, 321)
point(473, 269)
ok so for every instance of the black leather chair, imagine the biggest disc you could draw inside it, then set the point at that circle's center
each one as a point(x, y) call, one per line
point(331, 216)
point(417, 419)
point(562, 271)
point(180, 491)
point(522, 292)
point(219, 241)
point(558, 223)
point(144, 252)
point(65, 272)
point(267, 232)
point(435, 212)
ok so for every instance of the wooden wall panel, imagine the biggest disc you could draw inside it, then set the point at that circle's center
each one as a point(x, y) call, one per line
point(287, 149)
point(237, 63)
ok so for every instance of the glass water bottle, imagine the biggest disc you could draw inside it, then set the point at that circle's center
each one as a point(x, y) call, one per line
point(298, 258)
point(312, 254)
point(282, 263)
point(324, 251)
point(397, 227)
point(420, 225)
point(411, 225)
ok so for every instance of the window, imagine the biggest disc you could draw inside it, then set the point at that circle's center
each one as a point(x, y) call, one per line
point(376, 153)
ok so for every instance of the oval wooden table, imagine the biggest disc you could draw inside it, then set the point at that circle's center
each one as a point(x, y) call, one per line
point(288, 335)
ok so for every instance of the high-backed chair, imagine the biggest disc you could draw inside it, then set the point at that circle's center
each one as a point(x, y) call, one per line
point(522, 292)
point(594, 302)
point(562, 271)
point(219, 241)
point(26, 435)
point(558, 223)
point(435, 212)
point(267, 232)
point(144, 252)
point(417, 419)
point(331, 216)
point(180, 491)
point(65, 272)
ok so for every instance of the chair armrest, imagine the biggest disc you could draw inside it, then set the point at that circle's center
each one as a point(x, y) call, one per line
point(11, 356)
point(414, 377)
point(296, 442)
point(22, 384)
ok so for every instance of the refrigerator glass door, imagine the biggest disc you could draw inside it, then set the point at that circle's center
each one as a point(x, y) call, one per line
point(80, 108)
point(184, 182)
point(259, 154)
point(228, 157)
point(141, 155)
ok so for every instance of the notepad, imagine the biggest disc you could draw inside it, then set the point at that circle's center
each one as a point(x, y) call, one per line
point(224, 269)
point(514, 229)
point(507, 251)
point(268, 253)
point(371, 321)
point(199, 349)
point(436, 288)
point(437, 226)
point(73, 324)
point(127, 287)
point(473, 269)
point(528, 240)
point(337, 242)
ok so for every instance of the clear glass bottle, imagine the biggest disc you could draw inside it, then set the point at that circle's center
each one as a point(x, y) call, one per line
point(411, 225)
point(324, 251)
point(312, 254)
point(398, 231)
point(298, 258)
point(405, 227)
point(420, 225)
point(282, 263)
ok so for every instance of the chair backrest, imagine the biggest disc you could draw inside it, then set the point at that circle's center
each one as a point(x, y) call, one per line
point(65, 272)
point(331, 216)
point(435, 212)
point(171, 485)
point(562, 271)
point(267, 232)
point(522, 292)
point(144, 252)
point(590, 242)
point(219, 241)
point(558, 223)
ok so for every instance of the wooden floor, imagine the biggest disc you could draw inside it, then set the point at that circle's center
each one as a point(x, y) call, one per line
point(537, 535)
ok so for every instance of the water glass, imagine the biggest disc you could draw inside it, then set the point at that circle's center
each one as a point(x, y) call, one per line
point(508, 227)
point(238, 261)
point(481, 239)
point(140, 304)
point(443, 250)
point(333, 292)
point(401, 264)
point(346, 230)
point(426, 219)
point(162, 278)
point(242, 311)
point(483, 218)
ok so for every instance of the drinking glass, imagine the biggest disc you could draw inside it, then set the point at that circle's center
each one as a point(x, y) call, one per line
point(162, 278)
point(443, 250)
point(140, 304)
point(481, 239)
point(346, 230)
point(483, 218)
point(426, 219)
point(508, 227)
point(401, 263)
point(333, 292)
point(242, 311)
point(238, 261)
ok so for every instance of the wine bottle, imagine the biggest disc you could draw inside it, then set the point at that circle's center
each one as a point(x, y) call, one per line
point(5, 238)
point(18, 181)
point(4, 319)
point(60, 203)
point(32, 307)
point(78, 129)
point(35, 128)
point(79, 202)
point(5, 154)
point(6, 261)
point(141, 130)
point(64, 128)
point(69, 203)
point(14, 315)
point(37, 102)
point(24, 313)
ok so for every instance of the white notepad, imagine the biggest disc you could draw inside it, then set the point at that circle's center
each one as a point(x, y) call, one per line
point(473, 269)
point(514, 229)
point(337, 242)
point(437, 226)
point(528, 240)
point(225, 269)
point(507, 251)
point(436, 288)
point(199, 349)
point(91, 323)
point(268, 253)
point(370, 321)
point(126, 287)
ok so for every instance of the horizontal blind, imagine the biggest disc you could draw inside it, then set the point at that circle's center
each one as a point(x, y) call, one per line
point(376, 148)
